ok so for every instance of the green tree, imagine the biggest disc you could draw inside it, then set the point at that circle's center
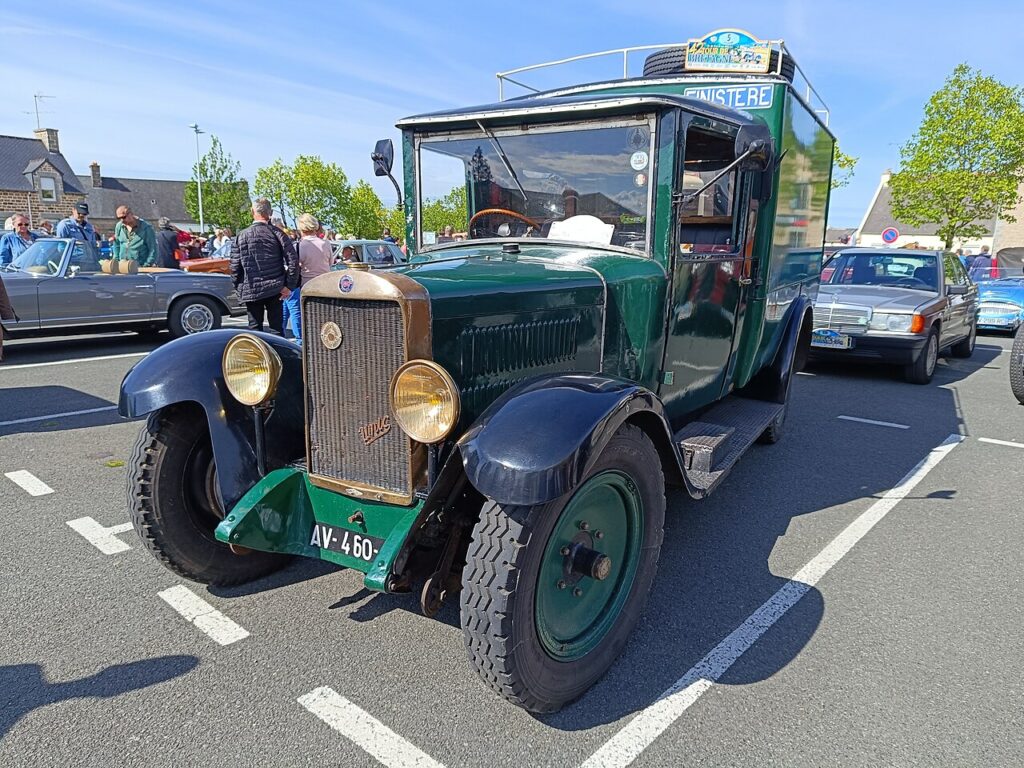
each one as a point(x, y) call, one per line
point(842, 167)
point(366, 213)
point(450, 210)
point(272, 182)
point(226, 199)
point(966, 161)
point(394, 220)
point(319, 188)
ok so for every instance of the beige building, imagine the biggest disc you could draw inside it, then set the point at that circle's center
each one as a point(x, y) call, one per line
point(1011, 234)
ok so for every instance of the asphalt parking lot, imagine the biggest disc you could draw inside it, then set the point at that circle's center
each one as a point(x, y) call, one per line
point(850, 596)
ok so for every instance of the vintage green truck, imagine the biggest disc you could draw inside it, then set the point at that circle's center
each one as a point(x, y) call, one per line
point(500, 418)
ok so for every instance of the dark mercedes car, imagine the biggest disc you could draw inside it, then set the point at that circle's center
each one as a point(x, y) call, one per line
point(895, 306)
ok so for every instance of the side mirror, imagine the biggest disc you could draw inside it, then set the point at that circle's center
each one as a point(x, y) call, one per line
point(383, 157)
point(957, 290)
point(756, 142)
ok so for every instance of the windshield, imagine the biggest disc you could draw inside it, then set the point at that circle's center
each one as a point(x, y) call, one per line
point(896, 270)
point(992, 274)
point(581, 183)
point(42, 257)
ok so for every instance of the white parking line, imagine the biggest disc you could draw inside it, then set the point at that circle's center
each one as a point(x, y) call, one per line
point(365, 731)
point(206, 618)
point(29, 482)
point(75, 360)
point(58, 415)
point(872, 421)
point(1009, 443)
point(104, 539)
point(626, 745)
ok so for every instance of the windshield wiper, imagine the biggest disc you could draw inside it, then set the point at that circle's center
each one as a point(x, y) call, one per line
point(504, 159)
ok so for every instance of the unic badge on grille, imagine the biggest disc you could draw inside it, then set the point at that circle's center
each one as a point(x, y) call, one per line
point(353, 348)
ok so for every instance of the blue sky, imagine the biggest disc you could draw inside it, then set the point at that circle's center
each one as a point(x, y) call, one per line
point(329, 78)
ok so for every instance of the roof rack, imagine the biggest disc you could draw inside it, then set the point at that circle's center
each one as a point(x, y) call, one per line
point(805, 91)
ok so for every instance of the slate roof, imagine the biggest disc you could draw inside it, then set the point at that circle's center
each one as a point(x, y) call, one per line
point(148, 198)
point(18, 154)
point(880, 217)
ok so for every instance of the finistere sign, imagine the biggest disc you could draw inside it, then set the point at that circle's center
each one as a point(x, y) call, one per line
point(728, 50)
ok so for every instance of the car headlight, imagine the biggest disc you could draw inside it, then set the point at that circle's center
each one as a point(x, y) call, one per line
point(424, 400)
point(251, 369)
point(883, 321)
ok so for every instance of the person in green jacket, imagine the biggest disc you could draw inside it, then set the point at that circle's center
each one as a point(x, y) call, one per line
point(134, 238)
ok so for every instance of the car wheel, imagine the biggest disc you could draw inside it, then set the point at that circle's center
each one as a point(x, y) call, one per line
point(193, 314)
point(551, 592)
point(965, 348)
point(1017, 366)
point(921, 370)
point(175, 504)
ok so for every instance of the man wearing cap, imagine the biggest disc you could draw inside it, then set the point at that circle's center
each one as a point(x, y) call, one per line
point(134, 238)
point(77, 225)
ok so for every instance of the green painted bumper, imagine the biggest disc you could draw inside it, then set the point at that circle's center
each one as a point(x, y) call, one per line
point(279, 512)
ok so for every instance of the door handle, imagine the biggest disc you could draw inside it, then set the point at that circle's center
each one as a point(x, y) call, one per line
point(143, 286)
point(744, 281)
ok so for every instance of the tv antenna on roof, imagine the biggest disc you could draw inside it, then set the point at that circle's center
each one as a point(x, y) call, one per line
point(36, 97)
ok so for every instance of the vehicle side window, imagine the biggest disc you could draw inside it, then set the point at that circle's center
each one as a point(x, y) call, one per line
point(84, 257)
point(955, 274)
point(707, 221)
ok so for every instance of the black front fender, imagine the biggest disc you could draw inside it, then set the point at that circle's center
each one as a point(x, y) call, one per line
point(188, 370)
point(537, 441)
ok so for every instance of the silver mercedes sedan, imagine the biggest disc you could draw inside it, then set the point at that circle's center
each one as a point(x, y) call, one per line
point(59, 283)
point(895, 306)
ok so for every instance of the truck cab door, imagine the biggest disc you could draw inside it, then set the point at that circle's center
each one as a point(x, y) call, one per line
point(711, 267)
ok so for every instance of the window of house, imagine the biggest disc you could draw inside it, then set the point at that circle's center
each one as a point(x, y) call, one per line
point(48, 188)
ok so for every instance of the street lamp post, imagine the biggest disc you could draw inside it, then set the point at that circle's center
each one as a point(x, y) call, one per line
point(199, 176)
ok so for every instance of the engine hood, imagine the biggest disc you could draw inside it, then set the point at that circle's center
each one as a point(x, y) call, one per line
point(881, 298)
point(484, 280)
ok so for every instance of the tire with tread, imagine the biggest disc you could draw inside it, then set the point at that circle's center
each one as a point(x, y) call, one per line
point(917, 372)
point(672, 61)
point(499, 586)
point(178, 308)
point(173, 524)
point(965, 347)
point(1017, 366)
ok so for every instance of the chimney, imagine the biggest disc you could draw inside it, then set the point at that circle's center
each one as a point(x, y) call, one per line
point(886, 175)
point(49, 138)
point(94, 169)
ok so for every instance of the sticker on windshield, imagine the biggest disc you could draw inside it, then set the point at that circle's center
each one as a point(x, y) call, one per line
point(638, 160)
point(640, 180)
point(638, 138)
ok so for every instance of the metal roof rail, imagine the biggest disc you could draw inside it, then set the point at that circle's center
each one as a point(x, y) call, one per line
point(806, 92)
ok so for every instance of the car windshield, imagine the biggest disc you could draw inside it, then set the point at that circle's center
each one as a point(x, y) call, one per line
point(582, 183)
point(1012, 276)
point(895, 270)
point(42, 257)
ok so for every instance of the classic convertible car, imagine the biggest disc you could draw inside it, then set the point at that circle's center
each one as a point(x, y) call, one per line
point(895, 306)
point(59, 283)
point(1001, 293)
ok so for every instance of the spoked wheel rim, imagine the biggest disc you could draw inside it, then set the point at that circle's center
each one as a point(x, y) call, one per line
point(196, 318)
point(589, 565)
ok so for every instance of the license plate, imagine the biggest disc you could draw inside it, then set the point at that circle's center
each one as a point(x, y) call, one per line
point(831, 340)
point(357, 545)
point(995, 321)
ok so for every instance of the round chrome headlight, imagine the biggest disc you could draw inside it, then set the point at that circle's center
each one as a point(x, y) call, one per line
point(424, 400)
point(251, 369)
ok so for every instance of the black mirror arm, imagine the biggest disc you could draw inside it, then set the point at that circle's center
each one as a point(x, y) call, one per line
point(380, 162)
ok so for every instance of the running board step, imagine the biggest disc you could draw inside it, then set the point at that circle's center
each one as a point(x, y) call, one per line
point(712, 446)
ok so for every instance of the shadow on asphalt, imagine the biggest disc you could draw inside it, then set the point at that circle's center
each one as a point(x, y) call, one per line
point(24, 688)
point(949, 369)
point(46, 399)
point(301, 569)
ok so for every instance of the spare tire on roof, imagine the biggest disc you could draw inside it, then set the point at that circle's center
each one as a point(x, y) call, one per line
point(672, 61)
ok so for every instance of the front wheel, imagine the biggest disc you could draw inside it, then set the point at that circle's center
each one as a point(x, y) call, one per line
point(1017, 366)
point(551, 592)
point(175, 504)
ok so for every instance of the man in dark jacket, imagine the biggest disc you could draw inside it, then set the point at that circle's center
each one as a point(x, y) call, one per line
point(264, 267)
point(166, 244)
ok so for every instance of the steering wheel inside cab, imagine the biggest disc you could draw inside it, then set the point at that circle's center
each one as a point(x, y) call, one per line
point(501, 222)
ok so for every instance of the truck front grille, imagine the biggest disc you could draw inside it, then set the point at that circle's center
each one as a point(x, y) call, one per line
point(351, 439)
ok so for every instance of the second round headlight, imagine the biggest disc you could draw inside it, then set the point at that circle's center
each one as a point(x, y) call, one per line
point(425, 401)
point(251, 369)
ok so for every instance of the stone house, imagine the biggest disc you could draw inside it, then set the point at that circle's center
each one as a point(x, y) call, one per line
point(35, 179)
point(149, 199)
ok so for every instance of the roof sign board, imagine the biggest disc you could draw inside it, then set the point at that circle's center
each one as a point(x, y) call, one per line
point(728, 50)
point(890, 235)
point(757, 96)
